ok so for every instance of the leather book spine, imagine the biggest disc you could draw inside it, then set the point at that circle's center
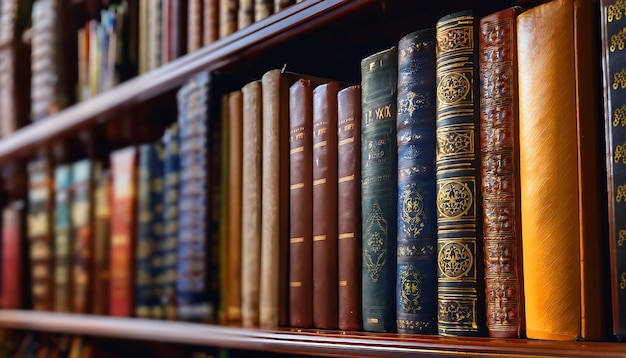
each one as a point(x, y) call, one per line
point(166, 31)
point(282, 4)
point(62, 238)
point(251, 203)
point(171, 168)
point(416, 282)
point(349, 208)
point(559, 171)
point(224, 197)
point(235, 167)
point(13, 249)
point(263, 9)
point(459, 218)
point(101, 241)
point(379, 74)
point(301, 216)
point(123, 231)
point(179, 29)
point(275, 200)
point(325, 283)
point(499, 143)
point(613, 23)
point(157, 227)
point(245, 15)
point(194, 25)
point(229, 11)
point(210, 24)
point(193, 255)
point(40, 233)
point(155, 34)
point(82, 234)
point(143, 37)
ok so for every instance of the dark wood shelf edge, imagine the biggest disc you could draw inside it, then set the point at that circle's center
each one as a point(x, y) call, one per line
point(282, 26)
point(307, 342)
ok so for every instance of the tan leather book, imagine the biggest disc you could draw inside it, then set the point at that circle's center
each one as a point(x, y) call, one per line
point(325, 206)
point(499, 143)
point(559, 171)
point(235, 182)
point(282, 4)
point(251, 203)
point(194, 25)
point(245, 15)
point(210, 22)
point(275, 199)
point(228, 10)
point(263, 9)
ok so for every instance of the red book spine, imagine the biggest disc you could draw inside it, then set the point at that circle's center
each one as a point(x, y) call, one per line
point(12, 238)
point(123, 220)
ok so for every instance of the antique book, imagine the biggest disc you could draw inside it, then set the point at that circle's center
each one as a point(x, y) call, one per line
point(155, 36)
point(166, 30)
point(40, 226)
point(349, 208)
point(613, 23)
point(81, 213)
point(123, 231)
point(416, 282)
point(274, 271)
point(210, 22)
point(251, 203)
point(379, 76)
point(171, 174)
point(194, 248)
point(229, 11)
point(63, 242)
point(101, 241)
point(263, 9)
point(224, 226)
point(235, 182)
point(245, 15)
point(194, 25)
point(143, 37)
point(282, 4)
point(560, 171)
point(499, 145)
point(13, 293)
point(325, 284)
point(178, 29)
point(301, 216)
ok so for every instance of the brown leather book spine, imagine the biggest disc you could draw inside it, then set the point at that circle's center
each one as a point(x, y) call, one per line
point(194, 25)
point(282, 4)
point(101, 242)
point(559, 171)
point(155, 34)
point(263, 9)
point(349, 208)
point(12, 256)
point(251, 203)
point(143, 37)
point(499, 141)
point(178, 38)
point(245, 16)
point(235, 158)
point(301, 216)
point(229, 10)
point(325, 206)
point(167, 27)
point(210, 24)
point(275, 199)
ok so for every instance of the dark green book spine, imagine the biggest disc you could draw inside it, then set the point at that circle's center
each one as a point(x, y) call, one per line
point(379, 189)
point(459, 243)
point(416, 284)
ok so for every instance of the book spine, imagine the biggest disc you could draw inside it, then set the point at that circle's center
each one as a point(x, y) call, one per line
point(349, 208)
point(224, 219)
point(263, 9)
point(229, 10)
point(170, 219)
point(274, 200)
point(193, 245)
point(499, 143)
point(246, 13)
point(179, 28)
point(416, 283)
point(82, 233)
point(459, 220)
point(613, 23)
point(251, 200)
point(62, 239)
point(101, 241)
point(282, 4)
point(562, 291)
point(167, 28)
point(210, 22)
point(194, 25)
point(155, 34)
point(123, 231)
point(235, 152)
point(13, 248)
point(143, 37)
point(39, 231)
point(301, 216)
point(325, 206)
point(44, 98)
point(157, 228)
point(378, 189)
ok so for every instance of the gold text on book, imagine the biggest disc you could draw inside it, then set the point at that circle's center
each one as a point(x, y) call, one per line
point(411, 289)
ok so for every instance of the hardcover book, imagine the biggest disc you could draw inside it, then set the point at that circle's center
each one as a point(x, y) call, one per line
point(63, 242)
point(499, 143)
point(82, 235)
point(379, 76)
point(459, 218)
point(245, 15)
point(210, 23)
point(229, 11)
point(101, 240)
point(560, 171)
point(263, 9)
point(416, 283)
point(194, 25)
point(13, 294)
point(171, 168)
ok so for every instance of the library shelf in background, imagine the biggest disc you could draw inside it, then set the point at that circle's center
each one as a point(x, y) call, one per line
point(301, 342)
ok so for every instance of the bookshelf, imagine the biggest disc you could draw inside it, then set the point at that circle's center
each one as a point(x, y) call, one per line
point(301, 37)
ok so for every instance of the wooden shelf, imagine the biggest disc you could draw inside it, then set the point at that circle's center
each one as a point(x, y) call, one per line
point(285, 25)
point(306, 342)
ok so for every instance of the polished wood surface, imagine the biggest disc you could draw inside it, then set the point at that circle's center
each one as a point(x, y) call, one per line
point(305, 342)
